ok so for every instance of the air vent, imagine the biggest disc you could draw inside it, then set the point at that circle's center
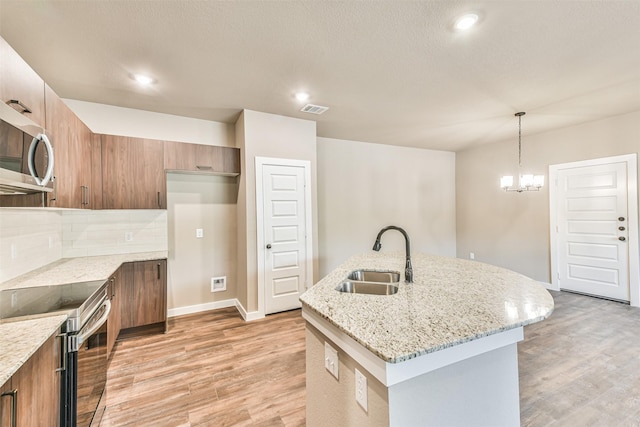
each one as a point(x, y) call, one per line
point(314, 109)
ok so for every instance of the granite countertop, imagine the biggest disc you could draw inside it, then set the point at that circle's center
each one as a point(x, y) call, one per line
point(451, 301)
point(20, 339)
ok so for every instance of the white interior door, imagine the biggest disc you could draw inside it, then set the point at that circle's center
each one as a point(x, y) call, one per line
point(285, 229)
point(593, 230)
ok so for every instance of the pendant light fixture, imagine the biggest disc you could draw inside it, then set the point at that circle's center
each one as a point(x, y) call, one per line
point(527, 181)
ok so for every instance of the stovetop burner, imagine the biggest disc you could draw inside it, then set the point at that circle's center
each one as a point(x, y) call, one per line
point(70, 299)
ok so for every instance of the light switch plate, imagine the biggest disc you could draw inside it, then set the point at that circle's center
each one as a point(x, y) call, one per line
point(331, 359)
point(199, 233)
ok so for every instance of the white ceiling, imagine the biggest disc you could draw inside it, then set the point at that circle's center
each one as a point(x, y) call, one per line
point(391, 72)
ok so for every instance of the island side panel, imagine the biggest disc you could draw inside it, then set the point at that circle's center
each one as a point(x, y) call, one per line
point(332, 402)
point(480, 391)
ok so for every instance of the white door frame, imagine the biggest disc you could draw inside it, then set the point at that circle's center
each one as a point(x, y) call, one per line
point(260, 248)
point(632, 206)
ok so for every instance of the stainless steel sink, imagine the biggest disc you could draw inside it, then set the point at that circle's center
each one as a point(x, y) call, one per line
point(375, 276)
point(372, 288)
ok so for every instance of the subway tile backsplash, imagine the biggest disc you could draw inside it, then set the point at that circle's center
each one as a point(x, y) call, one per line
point(32, 238)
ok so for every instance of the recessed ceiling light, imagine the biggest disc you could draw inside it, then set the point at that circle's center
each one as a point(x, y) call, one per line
point(143, 80)
point(466, 21)
point(302, 96)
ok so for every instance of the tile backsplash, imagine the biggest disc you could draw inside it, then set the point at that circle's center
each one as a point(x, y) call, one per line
point(29, 239)
point(32, 238)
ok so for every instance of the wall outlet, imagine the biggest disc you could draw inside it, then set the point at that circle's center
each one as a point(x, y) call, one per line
point(14, 251)
point(199, 233)
point(472, 255)
point(331, 359)
point(361, 390)
point(219, 284)
point(128, 236)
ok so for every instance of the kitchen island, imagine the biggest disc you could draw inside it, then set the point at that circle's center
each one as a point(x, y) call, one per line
point(441, 351)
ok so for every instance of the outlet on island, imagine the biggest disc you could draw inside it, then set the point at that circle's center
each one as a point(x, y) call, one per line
point(331, 359)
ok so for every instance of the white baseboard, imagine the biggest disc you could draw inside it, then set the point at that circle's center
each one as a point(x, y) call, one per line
point(248, 316)
point(550, 286)
point(190, 309)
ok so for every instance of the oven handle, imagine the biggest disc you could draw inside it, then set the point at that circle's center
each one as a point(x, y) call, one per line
point(83, 335)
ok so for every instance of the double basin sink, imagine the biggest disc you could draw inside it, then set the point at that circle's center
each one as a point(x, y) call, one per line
point(370, 282)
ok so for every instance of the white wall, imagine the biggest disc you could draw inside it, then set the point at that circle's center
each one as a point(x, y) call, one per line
point(512, 229)
point(267, 135)
point(112, 120)
point(363, 187)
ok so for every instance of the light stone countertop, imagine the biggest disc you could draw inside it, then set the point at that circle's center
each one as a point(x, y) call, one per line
point(451, 301)
point(20, 339)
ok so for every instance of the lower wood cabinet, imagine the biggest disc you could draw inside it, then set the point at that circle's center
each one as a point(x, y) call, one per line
point(37, 389)
point(143, 292)
point(113, 322)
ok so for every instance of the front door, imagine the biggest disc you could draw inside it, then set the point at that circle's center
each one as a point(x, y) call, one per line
point(593, 230)
point(284, 235)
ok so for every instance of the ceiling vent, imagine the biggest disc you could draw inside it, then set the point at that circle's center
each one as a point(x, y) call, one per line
point(314, 109)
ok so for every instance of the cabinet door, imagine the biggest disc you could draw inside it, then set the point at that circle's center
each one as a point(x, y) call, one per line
point(19, 82)
point(125, 295)
point(212, 159)
point(38, 386)
point(72, 143)
point(6, 402)
point(150, 279)
point(113, 322)
point(132, 173)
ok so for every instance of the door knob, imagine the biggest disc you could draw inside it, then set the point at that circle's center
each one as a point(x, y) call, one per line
point(269, 246)
point(621, 228)
point(620, 218)
point(622, 238)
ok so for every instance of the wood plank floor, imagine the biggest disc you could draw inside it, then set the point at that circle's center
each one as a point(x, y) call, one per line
point(580, 367)
point(211, 369)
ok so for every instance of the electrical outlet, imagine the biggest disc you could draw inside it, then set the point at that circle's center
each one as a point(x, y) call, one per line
point(128, 236)
point(14, 299)
point(14, 251)
point(472, 255)
point(331, 359)
point(219, 284)
point(361, 390)
point(199, 233)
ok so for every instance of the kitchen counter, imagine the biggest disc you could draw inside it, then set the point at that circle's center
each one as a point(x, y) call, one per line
point(451, 301)
point(441, 351)
point(20, 338)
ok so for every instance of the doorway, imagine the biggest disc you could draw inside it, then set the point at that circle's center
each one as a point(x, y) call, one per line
point(594, 227)
point(284, 231)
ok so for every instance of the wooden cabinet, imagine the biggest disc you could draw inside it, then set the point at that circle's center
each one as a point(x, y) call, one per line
point(143, 288)
point(72, 144)
point(200, 158)
point(6, 404)
point(18, 82)
point(38, 389)
point(132, 173)
point(113, 322)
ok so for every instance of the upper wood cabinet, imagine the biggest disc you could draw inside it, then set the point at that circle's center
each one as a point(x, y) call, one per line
point(184, 157)
point(18, 82)
point(132, 173)
point(72, 146)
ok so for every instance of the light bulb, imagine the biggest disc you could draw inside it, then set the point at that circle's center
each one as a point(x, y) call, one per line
point(466, 21)
point(506, 181)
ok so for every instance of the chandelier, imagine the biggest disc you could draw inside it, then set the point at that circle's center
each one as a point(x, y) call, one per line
point(527, 181)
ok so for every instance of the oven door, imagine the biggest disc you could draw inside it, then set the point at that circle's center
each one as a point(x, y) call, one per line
point(88, 370)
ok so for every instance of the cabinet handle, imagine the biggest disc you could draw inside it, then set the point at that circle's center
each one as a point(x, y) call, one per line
point(86, 195)
point(14, 406)
point(158, 271)
point(113, 287)
point(13, 102)
point(159, 202)
point(204, 167)
point(63, 337)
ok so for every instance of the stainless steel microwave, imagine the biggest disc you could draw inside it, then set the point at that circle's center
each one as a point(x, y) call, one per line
point(26, 155)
